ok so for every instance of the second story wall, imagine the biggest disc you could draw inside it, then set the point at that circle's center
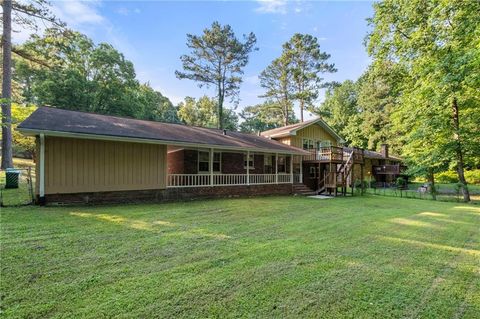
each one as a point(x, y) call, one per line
point(313, 135)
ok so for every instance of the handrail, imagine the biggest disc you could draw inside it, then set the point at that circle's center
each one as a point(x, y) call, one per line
point(200, 180)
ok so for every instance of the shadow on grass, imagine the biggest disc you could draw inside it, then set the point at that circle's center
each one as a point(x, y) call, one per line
point(148, 226)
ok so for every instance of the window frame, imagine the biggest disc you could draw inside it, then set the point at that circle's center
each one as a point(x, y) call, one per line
point(252, 166)
point(219, 161)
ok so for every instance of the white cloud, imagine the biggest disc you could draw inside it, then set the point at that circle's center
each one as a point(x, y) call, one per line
point(76, 13)
point(272, 6)
point(125, 11)
point(122, 11)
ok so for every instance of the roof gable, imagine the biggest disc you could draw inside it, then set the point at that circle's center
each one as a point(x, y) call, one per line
point(291, 130)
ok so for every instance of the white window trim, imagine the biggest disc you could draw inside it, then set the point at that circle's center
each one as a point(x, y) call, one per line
point(253, 161)
point(208, 170)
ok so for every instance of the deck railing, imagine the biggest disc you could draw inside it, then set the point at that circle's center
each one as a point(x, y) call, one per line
point(389, 169)
point(199, 180)
point(327, 154)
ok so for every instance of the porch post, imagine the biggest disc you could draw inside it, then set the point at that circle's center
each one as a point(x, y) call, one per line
point(210, 166)
point(248, 167)
point(291, 168)
point(41, 186)
point(301, 169)
point(276, 168)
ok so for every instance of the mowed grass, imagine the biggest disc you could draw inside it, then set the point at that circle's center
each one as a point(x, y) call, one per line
point(360, 257)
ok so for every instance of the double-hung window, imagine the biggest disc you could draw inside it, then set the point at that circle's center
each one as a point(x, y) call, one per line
point(204, 162)
point(251, 161)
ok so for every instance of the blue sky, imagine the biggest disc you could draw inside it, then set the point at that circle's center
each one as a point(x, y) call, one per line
point(152, 34)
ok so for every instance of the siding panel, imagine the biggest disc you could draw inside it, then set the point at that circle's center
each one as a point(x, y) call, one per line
point(75, 166)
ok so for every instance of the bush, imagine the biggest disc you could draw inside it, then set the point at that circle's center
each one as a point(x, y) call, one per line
point(446, 177)
point(473, 177)
point(401, 183)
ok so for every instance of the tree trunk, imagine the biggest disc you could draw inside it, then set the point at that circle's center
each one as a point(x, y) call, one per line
point(220, 107)
point(7, 161)
point(459, 151)
point(301, 110)
point(431, 179)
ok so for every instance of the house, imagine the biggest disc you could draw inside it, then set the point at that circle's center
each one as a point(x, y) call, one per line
point(330, 166)
point(85, 157)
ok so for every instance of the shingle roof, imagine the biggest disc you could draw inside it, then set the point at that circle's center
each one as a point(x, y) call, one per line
point(53, 121)
point(291, 129)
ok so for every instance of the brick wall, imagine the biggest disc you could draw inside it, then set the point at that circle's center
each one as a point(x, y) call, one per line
point(169, 194)
point(175, 162)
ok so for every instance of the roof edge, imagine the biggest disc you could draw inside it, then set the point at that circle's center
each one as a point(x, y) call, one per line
point(33, 132)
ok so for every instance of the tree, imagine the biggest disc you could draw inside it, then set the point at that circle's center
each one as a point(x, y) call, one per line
point(25, 14)
point(438, 45)
point(84, 76)
point(379, 92)
point(262, 117)
point(203, 113)
point(23, 146)
point(7, 160)
point(277, 80)
point(308, 62)
point(342, 112)
point(217, 59)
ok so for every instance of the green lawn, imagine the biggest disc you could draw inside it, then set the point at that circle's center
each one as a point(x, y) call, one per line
point(357, 257)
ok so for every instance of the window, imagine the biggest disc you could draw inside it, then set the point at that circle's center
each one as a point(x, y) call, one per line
point(250, 161)
point(312, 171)
point(282, 164)
point(305, 144)
point(310, 144)
point(217, 159)
point(268, 164)
point(204, 161)
point(325, 143)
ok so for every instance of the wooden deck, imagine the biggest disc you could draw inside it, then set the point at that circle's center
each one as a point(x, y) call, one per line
point(334, 154)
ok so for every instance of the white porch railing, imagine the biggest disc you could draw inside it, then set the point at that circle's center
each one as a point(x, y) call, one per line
point(195, 180)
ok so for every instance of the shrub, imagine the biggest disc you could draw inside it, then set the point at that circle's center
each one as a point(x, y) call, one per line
point(446, 177)
point(473, 177)
point(401, 182)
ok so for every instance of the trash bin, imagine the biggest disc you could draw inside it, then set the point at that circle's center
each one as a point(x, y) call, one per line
point(11, 178)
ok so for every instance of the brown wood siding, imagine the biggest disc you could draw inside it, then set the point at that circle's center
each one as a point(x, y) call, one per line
point(80, 165)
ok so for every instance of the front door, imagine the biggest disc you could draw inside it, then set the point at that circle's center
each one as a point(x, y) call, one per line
point(311, 175)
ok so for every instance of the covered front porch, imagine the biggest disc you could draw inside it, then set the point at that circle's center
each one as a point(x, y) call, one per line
point(204, 167)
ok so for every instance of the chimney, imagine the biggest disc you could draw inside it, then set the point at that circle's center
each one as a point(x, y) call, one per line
point(384, 150)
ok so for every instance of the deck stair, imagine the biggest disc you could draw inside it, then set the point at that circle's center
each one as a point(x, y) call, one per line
point(302, 189)
point(338, 178)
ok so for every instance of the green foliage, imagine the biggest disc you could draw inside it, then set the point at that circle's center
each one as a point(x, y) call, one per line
point(217, 58)
point(76, 74)
point(203, 112)
point(23, 146)
point(306, 63)
point(437, 44)
point(277, 80)
point(400, 182)
point(262, 117)
point(472, 177)
point(447, 177)
point(341, 111)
